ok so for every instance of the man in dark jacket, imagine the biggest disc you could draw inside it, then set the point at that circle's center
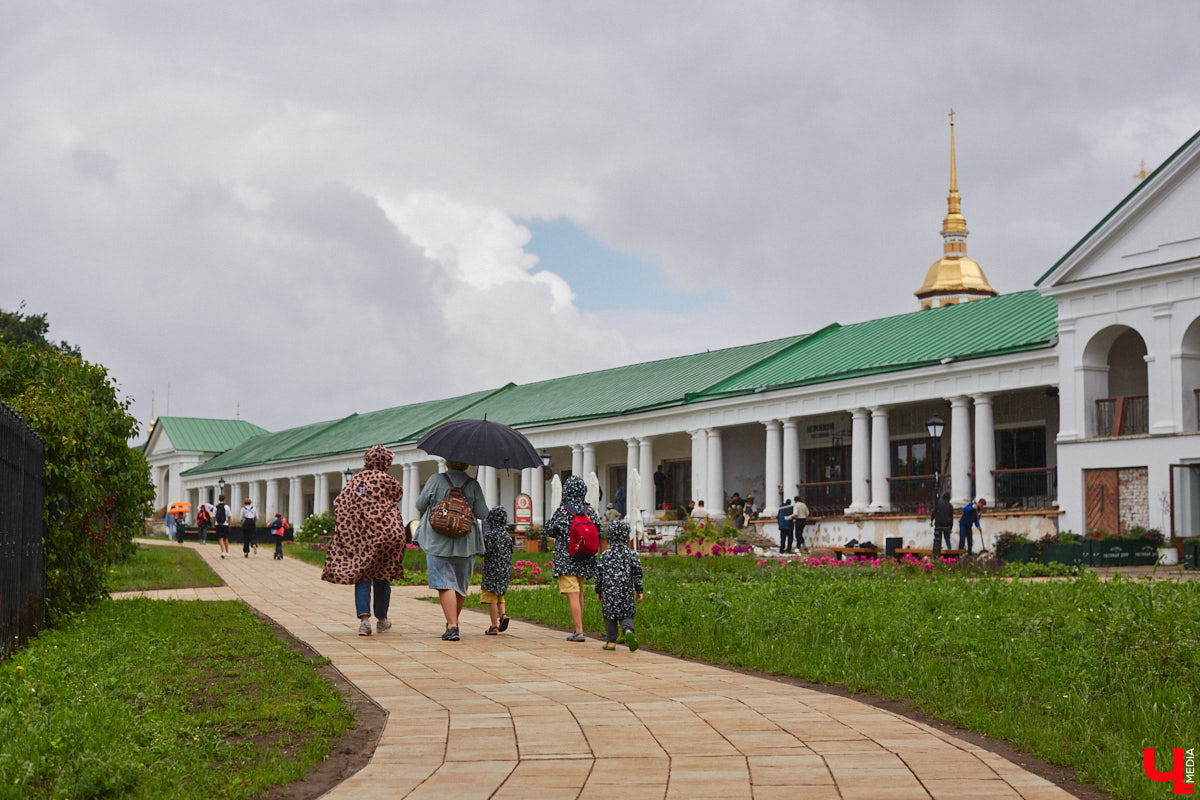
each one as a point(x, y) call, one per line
point(786, 526)
point(942, 519)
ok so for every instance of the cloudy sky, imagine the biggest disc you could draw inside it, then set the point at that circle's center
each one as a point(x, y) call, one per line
point(296, 210)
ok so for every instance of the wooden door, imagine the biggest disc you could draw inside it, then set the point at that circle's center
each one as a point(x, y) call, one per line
point(1102, 507)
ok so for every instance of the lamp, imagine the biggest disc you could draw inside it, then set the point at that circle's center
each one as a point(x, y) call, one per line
point(220, 486)
point(545, 456)
point(347, 474)
point(935, 425)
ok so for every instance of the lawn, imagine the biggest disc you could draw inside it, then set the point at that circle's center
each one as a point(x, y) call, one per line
point(1077, 671)
point(164, 566)
point(151, 699)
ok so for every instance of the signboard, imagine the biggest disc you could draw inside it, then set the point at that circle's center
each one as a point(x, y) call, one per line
point(523, 508)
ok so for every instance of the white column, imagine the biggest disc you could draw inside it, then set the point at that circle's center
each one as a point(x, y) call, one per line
point(715, 502)
point(321, 493)
point(631, 465)
point(577, 461)
point(646, 471)
point(985, 449)
point(699, 464)
point(773, 469)
point(268, 509)
point(881, 461)
point(488, 481)
point(441, 465)
point(235, 495)
point(296, 512)
point(960, 451)
point(791, 458)
point(254, 490)
point(537, 495)
point(589, 460)
point(860, 461)
point(527, 481)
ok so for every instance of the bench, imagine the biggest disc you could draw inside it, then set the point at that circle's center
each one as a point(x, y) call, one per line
point(854, 551)
point(918, 551)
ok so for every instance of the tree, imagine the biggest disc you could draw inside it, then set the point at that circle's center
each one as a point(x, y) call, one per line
point(98, 489)
point(20, 328)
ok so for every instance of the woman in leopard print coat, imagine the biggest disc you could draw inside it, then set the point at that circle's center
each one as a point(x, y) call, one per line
point(368, 541)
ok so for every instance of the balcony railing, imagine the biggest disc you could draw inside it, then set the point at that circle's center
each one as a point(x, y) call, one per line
point(1026, 488)
point(827, 499)
point(912, 494)
point(1127, 415)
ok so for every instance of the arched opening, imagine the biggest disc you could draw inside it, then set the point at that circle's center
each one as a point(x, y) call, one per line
point(1116, 389)
point(1189, 364)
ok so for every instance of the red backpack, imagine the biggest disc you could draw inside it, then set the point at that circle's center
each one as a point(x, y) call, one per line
point(585, 535)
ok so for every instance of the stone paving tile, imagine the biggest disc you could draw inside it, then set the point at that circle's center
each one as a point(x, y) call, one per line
point(527, 715)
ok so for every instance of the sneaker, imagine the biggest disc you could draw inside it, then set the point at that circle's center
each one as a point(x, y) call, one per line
point(222, 555)
point(608, 646)
point(383, 625)
point(631, 640)
point(245, 555)
point(364, 628)
point(577, 636)
point(451, 634)
point(254, 547)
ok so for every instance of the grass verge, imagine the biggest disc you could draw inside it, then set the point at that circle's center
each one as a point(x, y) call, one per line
point(161, 567)
point(152, 699)
point(1079, 672)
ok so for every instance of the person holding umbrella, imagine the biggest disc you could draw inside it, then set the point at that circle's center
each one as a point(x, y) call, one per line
point(454, 500)
point(450, 559)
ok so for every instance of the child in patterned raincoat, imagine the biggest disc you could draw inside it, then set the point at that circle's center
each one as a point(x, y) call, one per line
point(497, 567)
point(619, 586)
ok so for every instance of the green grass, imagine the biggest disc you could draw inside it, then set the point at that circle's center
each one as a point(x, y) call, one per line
point(1080, 672)
point(152, 699)
point(161, 567)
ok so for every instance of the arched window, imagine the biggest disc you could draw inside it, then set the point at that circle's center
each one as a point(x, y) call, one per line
point(1116, 389)
point(1190, 383)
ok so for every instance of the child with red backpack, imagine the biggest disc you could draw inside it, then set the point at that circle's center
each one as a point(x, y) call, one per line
point(575, 528)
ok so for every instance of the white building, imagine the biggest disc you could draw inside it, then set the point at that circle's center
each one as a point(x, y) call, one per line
point(1055, 400)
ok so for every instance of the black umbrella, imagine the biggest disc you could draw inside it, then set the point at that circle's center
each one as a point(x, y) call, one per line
point(477, 441)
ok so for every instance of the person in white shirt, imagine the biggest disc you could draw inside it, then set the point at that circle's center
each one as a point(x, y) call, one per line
point(221, 516)
point(799, 520)
point(249, 516)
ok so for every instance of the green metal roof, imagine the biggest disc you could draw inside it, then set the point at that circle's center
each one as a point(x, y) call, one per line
point(621, 390)
point(207, 435)
point(994, 326)
point(1137, 190)
point(354, 433)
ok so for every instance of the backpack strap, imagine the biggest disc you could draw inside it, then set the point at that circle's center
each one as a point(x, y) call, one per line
point(446, 475)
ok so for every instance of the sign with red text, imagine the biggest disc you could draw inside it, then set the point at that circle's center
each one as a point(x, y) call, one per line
point(523, 511)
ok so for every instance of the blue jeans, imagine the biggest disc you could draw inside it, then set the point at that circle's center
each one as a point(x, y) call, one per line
point(965, 536)
point(362, 598)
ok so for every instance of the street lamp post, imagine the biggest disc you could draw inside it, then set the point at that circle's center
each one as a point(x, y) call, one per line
point(220, 487)
point(934, 426)
point(545, 456)
point(347, 474)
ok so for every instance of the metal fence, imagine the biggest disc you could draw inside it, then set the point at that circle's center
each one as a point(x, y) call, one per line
point(1026, 488)
point(22, 562)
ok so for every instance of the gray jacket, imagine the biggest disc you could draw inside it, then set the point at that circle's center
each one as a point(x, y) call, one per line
point(435, 543)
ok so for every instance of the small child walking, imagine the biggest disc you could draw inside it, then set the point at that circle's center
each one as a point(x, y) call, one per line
point(278, 528)
point(497, 567)
point(619, 586)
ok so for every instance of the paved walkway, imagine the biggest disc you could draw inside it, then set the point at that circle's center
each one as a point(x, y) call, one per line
point(527, 715)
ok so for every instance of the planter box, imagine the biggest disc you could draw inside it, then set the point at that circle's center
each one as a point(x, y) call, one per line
point(1103, 553)
point(1070, 554)
point(1020, 551)
point(533, 545)
point(1191, 553)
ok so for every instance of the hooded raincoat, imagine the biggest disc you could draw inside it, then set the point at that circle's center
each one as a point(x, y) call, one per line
point(368, 541)
point(574, 492)
point(497, 563)
point(618, 574)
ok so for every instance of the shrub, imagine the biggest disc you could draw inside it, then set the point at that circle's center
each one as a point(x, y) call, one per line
point(316, 527)
point(98, 489)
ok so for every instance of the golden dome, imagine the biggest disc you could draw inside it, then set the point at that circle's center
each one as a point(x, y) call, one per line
point(954, 276)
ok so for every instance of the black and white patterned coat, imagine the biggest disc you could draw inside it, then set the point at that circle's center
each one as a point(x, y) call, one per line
point(497, 561)
point(574, 494)
point(618, 574)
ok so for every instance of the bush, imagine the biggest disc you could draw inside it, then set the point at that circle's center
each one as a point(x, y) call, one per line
point(316, 527)
point(98, 489)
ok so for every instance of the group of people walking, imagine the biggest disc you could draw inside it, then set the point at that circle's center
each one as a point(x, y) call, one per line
point(456, 526)
point(219, 517)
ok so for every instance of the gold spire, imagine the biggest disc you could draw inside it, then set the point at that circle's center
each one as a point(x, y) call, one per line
point(954, 277)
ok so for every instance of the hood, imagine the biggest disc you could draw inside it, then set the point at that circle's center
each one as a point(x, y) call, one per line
point(497, 518)
point(574, 491)
point(378, 457)
point(618, 531)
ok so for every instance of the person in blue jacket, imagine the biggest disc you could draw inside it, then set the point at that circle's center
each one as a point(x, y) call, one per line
point(970, 517)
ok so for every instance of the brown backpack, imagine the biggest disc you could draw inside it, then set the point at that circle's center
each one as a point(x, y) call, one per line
point(453, 516)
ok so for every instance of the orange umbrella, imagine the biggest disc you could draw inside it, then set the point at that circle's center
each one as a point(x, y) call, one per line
point(179, 508)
